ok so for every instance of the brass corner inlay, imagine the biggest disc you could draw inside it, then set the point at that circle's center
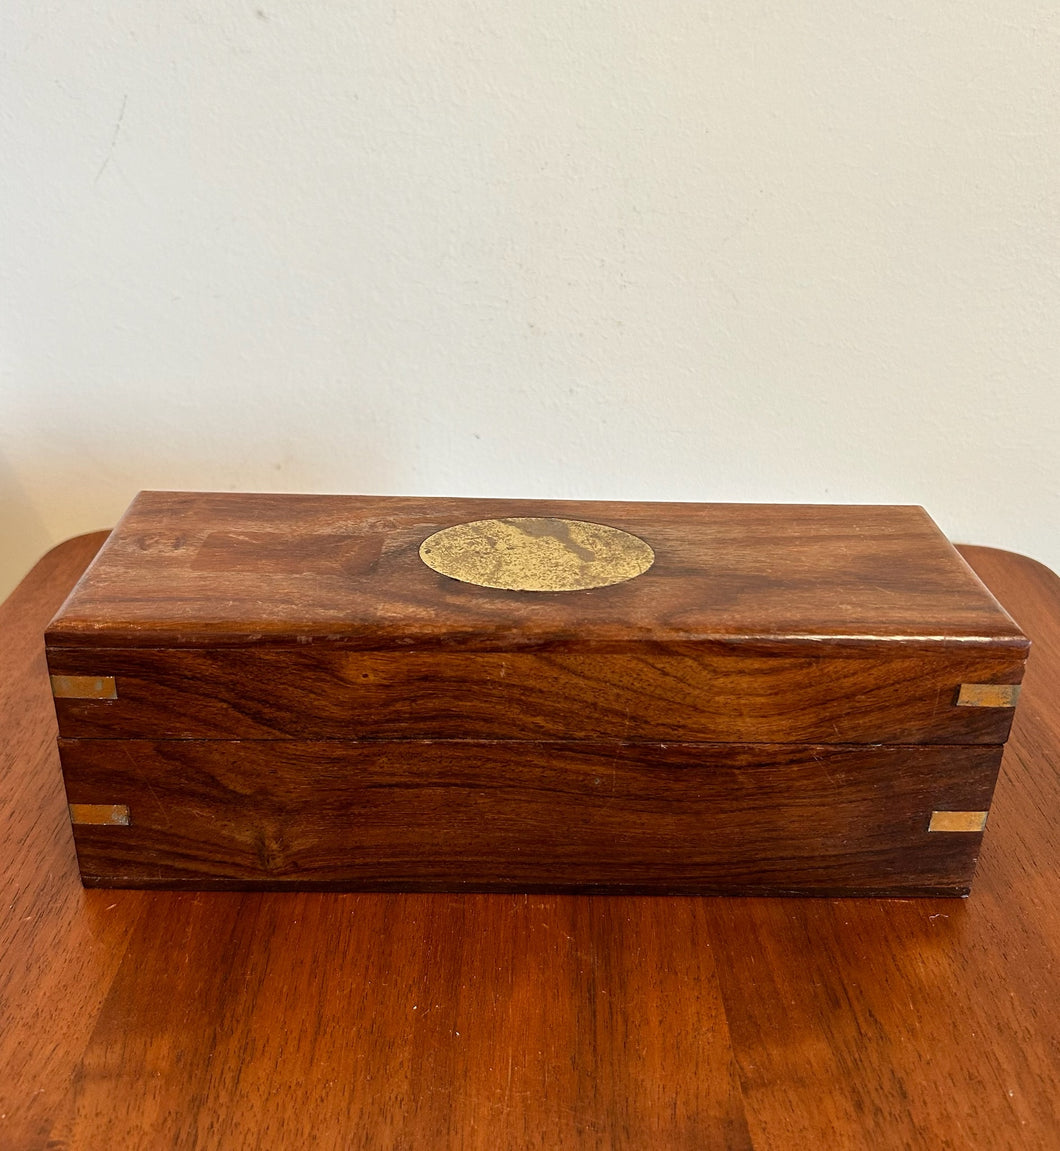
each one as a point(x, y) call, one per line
point(957, 821)
point(988, 695)
point(84, 687)
point(525, 553)
point(111, 814)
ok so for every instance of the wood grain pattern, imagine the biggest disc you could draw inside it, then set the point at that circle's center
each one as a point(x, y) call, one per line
point(930, 1025)
point(57, 957)
point(744, 819)
point(721, 641)
point(141, 1020)
point(656, 692)
point(207, 569)
point(474, 1022)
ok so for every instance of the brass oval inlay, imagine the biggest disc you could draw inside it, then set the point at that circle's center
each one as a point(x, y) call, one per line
point(525, 553)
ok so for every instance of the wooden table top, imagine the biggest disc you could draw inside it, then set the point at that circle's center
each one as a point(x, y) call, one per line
point(133, 1019)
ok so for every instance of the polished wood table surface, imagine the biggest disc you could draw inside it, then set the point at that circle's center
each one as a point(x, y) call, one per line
point(133, 1019)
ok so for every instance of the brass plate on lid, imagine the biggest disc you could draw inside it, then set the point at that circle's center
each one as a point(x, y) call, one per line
point(525, 553)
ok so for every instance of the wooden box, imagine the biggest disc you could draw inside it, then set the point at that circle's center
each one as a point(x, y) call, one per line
point(285, 691)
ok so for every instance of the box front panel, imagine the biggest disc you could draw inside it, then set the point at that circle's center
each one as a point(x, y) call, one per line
point(648, 692)
point(510, 816)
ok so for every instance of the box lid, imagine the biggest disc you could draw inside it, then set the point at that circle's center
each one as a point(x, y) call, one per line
point(207, 569)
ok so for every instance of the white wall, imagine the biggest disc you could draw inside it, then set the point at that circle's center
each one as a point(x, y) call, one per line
point(703, 251)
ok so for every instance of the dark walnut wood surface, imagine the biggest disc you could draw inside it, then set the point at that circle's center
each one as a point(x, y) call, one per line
point(754, 819)
point(141, 1019)
point(213, 568)
point(651, 693)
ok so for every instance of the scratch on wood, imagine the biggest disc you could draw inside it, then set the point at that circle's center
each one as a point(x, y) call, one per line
point(154, 794)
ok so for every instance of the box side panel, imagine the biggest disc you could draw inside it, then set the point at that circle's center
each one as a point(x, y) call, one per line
point(655, 692)
point(766, 820)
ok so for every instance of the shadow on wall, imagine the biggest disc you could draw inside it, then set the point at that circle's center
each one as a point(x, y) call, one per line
point(23, 535)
